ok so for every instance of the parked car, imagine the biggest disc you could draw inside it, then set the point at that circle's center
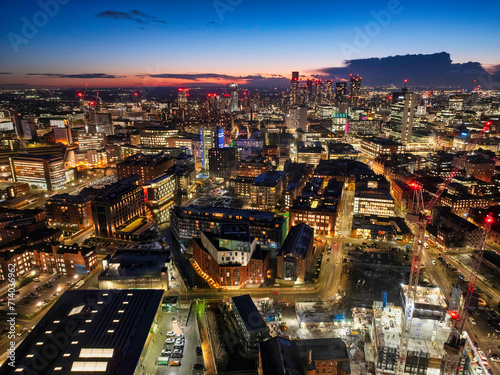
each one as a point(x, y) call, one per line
point(198, 366)
point(169, 341)
point(170, 333)
point(175, 363)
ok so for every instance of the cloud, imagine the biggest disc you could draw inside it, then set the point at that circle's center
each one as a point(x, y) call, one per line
point(433, 70)
point(134, 15)
point(199, 76)
point(5, 73)
point(78, 75)
point(216, 79)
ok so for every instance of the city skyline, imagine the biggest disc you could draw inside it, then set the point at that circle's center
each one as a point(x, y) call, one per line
point(120, 44)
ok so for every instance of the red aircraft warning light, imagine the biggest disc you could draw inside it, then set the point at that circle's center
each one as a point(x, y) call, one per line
point(80, 94)
point(454, 315)
point(414, 185)
point(490, 219)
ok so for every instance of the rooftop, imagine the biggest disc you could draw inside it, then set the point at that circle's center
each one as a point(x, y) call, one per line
point(248, 312)
point(96, 331)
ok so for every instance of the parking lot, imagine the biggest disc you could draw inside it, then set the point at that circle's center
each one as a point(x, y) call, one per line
point(40, 292)
point(174, 341)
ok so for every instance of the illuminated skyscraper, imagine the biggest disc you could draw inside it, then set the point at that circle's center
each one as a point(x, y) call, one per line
point(234, 97)
point(183, 97)
point(309, 89)
point(319, 91)
point(294, 89)
point(340, 92)
point(403, 112)
point(355, 91)
point(328, 90)
point(210, 137)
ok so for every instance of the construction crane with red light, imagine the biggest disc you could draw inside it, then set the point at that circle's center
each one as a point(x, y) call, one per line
point(419, 220)
point(454, 346)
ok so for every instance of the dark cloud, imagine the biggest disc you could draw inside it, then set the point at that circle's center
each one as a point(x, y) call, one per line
point(78, 75)
point(433, 70)
point(134, 15)
point(199, 79)
point(5, 73)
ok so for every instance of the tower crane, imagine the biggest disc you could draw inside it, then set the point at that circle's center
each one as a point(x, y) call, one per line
point(419, 220)
point(454, 346)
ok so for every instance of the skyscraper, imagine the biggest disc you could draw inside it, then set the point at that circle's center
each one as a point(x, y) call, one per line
point(355, 91)
point(340, 92)
point(294, 89)
point(403, 112)
point(309, 89)
point(319, 91)
point(210, 137)
point(328, 91)
point(183, 97)
point(234, 97)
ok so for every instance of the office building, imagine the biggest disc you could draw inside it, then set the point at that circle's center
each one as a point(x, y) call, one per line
point(188, 222)
point(294, 89)
point(222, 162)
point(267, 190)
point(91, 331)
point(182, 98)
point(309, 152)
point(46, 172)
point(372, 148)
point(232, 258)
point(91, 141)
point(355, 90)
point(294, 257)
point(403, 113)
point(234, 100)
point(159, 195)
point(341, 92)
point(146, 167)
point(115, 205)
point(253, 166)
point(282, 356)
point(210, 137)
point(320, 93)
point(242, 186)
point(70, 213)
point(340, 151)
point(372, 201)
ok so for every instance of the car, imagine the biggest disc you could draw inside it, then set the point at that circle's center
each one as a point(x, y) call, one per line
point(4, 299)
point(198, 366)
point(482, 356)
point(472, 321)
point(36, 279)
point(169, 341)
point(170, 333)
point(175, 363)
point(176, 355)
point(179, 336)
point(434, 262)
point(178, 350)
point(495, 357)
point(22, 332)
point(181, 346)
point(199, 351)
point(166, 351)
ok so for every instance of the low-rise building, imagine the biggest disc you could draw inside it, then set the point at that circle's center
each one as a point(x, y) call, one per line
point(373, 202)
point(294, 257)
point(282, 356)
point(251, 324)
point(135, 269)
point(70, 213)
point(147, 167)
point(86, 331)
point(230, 259)
point(372, 148)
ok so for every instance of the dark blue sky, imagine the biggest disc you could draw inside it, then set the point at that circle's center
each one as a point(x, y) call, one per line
point(135, 39)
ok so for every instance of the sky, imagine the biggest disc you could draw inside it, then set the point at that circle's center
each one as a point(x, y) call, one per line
point(67, 43)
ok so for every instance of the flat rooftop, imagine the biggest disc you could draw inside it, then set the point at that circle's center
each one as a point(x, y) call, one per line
point(90, 331)
point(131, 264)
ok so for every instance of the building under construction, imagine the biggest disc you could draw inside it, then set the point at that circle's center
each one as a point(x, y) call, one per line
point(430, 330)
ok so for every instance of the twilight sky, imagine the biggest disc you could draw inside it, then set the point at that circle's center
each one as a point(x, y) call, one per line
point(123, 43)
